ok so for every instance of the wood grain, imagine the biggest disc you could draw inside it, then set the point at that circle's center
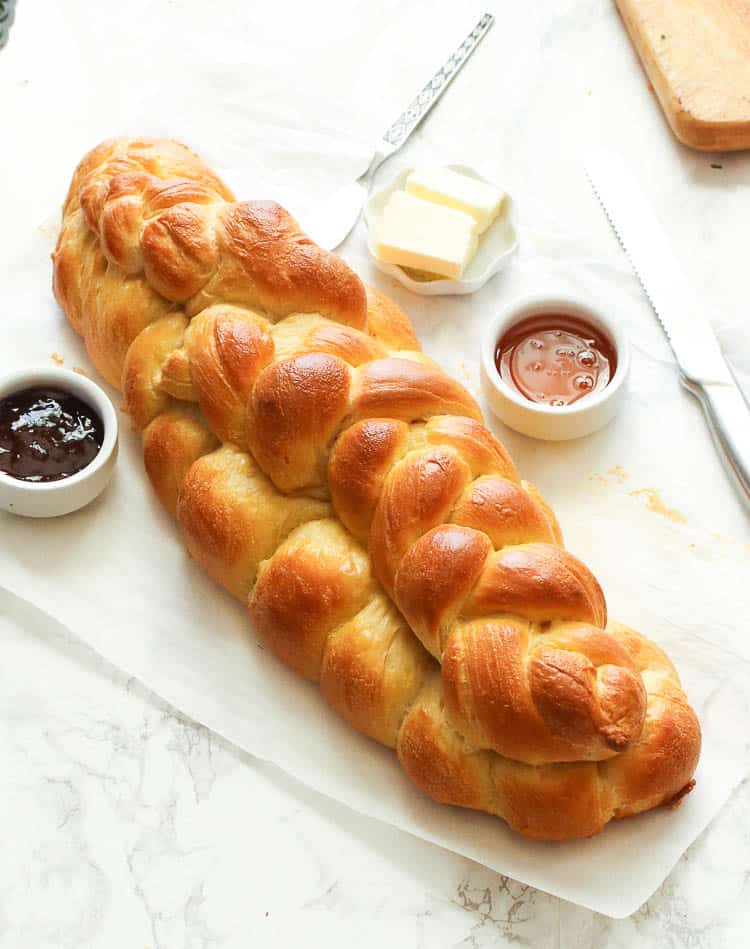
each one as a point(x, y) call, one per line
point(697, 56)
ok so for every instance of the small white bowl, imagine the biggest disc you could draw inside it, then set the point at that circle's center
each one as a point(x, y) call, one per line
point(546, 422)
point(496, 245)
point(54, 498)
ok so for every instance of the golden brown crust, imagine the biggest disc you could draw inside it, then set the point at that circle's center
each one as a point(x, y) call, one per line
point(171, 443)
point(475, 443)
point(302, 594)
point(438, 760)
point(372, 670)
point(435, 577)
point(541, 582)
point(232, 519)
point(266, 257)
point(226, 350)
point(388, 323)
point(323, 469)
point(505, 511)
point(360, 461)
point(408, 390)
point(295, 408)
point(417, 496)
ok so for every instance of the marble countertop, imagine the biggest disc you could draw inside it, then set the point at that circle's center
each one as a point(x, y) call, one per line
point(128, 825)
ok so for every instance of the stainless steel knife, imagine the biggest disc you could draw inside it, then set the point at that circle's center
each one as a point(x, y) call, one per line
point(331, 223)
point(703, 370)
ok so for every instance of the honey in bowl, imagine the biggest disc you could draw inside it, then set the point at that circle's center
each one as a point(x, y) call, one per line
point(555, 359)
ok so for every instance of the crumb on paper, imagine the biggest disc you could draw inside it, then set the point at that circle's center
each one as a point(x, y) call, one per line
point(723, 538)
point(81, 371)
point(619, 473)
point(674, 802)
point(654, 503)
point(57, 359)
point(650, 88)
point(48, 228)
point(616, 475)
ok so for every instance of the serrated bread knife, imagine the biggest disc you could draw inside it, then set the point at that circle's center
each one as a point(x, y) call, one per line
point(703, 370)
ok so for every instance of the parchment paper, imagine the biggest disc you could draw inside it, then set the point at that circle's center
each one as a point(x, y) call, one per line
point(645, 503)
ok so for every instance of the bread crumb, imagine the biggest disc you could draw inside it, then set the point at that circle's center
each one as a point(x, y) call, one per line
point(619, 473)
point(723, 538)
point(57, 359)
point(81, 371)
point(654, 503)
point(48, 228)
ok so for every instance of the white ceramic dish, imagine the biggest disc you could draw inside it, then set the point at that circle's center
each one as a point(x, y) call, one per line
point(590, 413)
point(54, 498)
point(496, 246)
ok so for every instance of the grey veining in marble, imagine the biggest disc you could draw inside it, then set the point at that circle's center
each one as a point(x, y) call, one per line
point(126, 825)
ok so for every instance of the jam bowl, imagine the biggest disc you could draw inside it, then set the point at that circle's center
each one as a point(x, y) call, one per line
point(77, 426)
point(552, 414)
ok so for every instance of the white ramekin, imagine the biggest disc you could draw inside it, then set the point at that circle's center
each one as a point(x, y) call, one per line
point(53, 498)
point(581, 418)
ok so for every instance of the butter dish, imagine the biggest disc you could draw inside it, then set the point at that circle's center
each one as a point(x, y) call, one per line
point(495, 247)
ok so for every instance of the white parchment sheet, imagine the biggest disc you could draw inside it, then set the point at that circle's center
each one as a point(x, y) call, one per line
point(645, 503)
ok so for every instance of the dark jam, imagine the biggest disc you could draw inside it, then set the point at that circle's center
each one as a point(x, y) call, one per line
point(555, 359)
point(47, 434)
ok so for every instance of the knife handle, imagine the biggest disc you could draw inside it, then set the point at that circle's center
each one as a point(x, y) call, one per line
point(728, 416)
point(427, 97)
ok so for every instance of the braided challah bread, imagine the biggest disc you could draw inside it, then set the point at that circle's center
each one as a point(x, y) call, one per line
point(329, 475)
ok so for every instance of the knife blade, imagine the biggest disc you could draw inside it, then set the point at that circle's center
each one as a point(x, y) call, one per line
point(703, 370)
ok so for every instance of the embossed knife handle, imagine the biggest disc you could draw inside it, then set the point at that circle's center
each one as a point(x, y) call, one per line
point(428, 96)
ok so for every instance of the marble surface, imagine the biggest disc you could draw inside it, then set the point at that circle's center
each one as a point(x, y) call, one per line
point(126, 825)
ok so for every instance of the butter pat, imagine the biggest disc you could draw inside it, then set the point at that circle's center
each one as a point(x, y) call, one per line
point(425, 236)
point(454, 190)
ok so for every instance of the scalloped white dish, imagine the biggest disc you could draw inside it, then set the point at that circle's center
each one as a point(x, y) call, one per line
point(496, 246)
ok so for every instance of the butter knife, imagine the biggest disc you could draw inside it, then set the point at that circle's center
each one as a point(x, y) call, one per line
point(332, 222)
point(703, 370)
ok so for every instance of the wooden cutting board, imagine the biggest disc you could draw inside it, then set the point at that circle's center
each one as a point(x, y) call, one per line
point(697, 56)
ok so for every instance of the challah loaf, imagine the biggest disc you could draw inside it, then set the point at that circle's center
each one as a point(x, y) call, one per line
point(329, 475)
